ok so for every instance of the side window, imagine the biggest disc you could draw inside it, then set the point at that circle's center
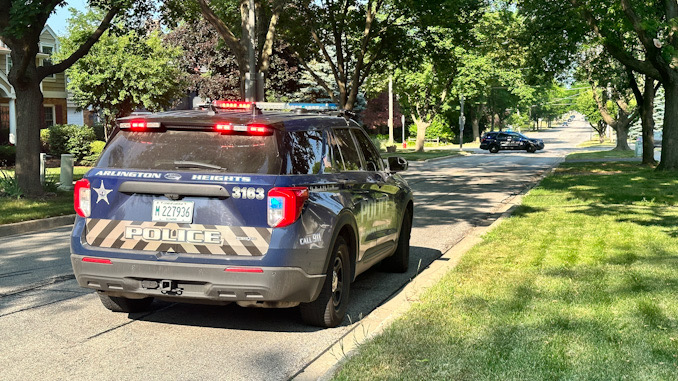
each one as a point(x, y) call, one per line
point(372, 159)
point(305, 153)
point(502, 136)
point(347, 149)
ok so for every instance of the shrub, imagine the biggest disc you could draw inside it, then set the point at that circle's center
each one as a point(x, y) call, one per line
point(95, 148)
point(69, 138)
point(9, 186)
point(57, 138)
point(7, 156)
point(79, 141)
point(439, 128)
point(44, 140)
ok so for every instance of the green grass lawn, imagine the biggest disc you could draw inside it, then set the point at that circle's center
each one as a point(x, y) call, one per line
point(580, 283)
point(13, 210)
point(53, 204)
point(78, 172)
point(601, 155)
point(595, 142)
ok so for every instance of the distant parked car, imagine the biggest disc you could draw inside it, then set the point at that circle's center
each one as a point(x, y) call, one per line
point(495, 141)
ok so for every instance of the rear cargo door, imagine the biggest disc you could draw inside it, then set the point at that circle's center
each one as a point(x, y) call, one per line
point(183, 192)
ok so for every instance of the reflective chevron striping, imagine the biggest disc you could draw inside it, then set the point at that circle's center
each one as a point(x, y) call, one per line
point(178, 237)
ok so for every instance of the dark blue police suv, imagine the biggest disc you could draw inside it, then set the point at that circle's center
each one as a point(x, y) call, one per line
point(495, 141)
point(235, 204)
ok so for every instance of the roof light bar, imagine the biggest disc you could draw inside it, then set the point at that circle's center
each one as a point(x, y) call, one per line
point(297, 105)
point(139, 125)
point(233, 105)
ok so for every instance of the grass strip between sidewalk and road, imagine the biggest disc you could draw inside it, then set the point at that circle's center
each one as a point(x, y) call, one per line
point(26, 209)
point(602, 155)
point(580, 283)
point(411, 155)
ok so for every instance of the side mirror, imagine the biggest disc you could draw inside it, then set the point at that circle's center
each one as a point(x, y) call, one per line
point(397, 164)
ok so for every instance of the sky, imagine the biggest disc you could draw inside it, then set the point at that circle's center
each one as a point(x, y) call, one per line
point(57, 21)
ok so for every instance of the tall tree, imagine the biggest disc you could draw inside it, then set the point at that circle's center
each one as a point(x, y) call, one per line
point(230, 19)
point(21, 23)
point(355, 37)
point(212, 69)
point(122, 72)
point(645, 100)
point(653, 26)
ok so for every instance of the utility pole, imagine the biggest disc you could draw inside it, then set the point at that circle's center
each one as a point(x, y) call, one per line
point(402, 122)
point(390, 110)
point(462, 121)
point(251, 80)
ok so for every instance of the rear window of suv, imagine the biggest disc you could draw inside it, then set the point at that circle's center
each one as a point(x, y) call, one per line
point(203, 151)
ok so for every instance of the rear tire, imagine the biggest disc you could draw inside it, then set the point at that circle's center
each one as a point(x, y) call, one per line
point(400, 260)
point(329, 309)
point(120, 304)
point(494, 148)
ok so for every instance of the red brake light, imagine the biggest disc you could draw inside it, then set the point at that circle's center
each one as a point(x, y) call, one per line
point(285, 205)
point(223, 127)
point(232, 105)
point(82, 198)
point(259, 129)
point(139, 125)
point(97, 260)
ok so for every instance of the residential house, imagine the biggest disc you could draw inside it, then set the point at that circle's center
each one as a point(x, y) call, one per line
point(55, 97)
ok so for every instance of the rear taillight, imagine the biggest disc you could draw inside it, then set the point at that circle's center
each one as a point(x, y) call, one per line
point(82, 198)
point(285, 204)
point(97, 260)
point(259, 129)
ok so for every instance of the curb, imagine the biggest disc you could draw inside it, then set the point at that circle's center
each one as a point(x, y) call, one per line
point(36, 225)
point(330, 361)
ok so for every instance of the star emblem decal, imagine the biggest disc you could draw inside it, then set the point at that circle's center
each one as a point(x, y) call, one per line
point(102, 193)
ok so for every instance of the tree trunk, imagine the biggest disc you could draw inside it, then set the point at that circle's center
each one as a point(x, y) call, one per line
point(622, 138)
point(421, 134)
point(28, 102)
point(669, 160)
point(476, 129)
point(647, 120)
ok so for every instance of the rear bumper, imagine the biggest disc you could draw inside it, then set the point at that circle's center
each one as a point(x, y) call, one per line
point(197, 282)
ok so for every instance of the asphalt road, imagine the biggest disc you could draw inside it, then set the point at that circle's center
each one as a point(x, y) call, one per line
point(52, 329)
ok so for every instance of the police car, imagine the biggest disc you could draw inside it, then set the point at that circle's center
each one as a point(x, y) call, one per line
point(236, 204)
point(495, 141)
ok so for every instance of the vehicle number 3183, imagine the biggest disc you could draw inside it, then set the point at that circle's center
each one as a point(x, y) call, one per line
point(248, 193)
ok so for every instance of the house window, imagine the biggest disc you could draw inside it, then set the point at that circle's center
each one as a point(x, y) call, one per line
point(47, 49)
point(9, 63)
point(49, 116)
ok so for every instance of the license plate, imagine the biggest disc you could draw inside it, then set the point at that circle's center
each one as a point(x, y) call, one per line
point(172, 211)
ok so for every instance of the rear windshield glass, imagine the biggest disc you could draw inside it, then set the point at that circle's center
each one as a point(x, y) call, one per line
point(202, 151)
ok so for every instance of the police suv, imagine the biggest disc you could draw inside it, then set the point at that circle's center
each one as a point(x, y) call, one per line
point(236, 204)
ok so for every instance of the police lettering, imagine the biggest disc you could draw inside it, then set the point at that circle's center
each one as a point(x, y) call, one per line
point(209, 237)
point(141, 175)
point(241, 179)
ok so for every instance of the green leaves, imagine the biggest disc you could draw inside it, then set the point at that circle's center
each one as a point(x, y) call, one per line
point(122, 73)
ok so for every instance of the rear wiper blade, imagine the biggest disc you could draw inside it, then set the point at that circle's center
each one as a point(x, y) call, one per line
point(195, 164)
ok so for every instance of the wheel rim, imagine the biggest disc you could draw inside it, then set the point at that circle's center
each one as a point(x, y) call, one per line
point(337, 281)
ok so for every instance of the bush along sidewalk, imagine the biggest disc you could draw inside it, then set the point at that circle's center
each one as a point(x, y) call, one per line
point(580, 283)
